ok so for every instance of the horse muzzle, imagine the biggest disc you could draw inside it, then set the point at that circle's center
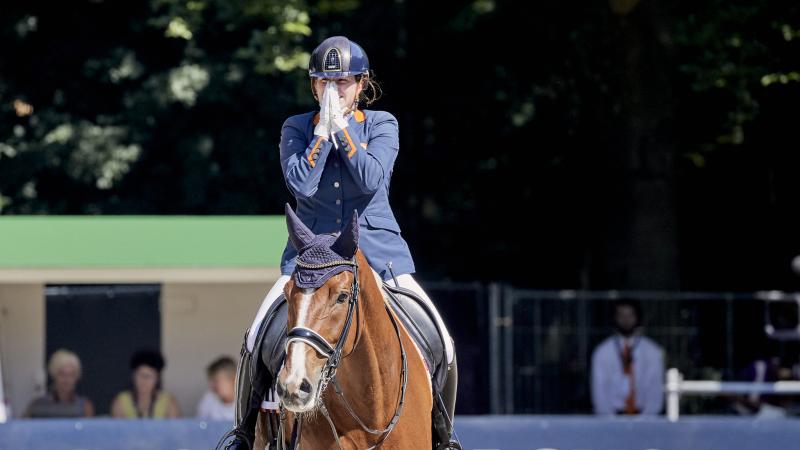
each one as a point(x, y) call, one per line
point(296, 397)
point(298, 378)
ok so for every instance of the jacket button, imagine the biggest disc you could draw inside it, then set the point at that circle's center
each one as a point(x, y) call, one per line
point(336, 184)
point(338, 220)
point(338, 201)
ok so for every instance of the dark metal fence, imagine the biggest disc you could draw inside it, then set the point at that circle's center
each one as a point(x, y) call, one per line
point(525, 351)
point(542, 341)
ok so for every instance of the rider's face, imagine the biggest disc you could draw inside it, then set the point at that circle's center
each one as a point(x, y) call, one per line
point(347, 87)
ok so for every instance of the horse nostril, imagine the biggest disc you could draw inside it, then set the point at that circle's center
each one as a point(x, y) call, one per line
point(305, 386)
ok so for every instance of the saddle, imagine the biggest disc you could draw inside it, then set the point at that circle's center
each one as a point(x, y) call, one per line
point(413, 311)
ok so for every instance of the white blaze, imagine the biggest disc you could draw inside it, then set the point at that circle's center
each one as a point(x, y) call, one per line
point(298, 355)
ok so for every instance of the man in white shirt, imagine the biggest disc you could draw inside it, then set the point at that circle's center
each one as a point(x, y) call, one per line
point(627, 368)
point(218, 402)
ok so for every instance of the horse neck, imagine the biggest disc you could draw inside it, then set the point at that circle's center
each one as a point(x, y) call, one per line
point(370, 375)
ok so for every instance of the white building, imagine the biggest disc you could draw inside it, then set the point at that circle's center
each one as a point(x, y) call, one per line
point(205, 277)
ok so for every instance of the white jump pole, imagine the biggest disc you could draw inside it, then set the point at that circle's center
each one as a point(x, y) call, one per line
point(673, 394)
point(677, 386)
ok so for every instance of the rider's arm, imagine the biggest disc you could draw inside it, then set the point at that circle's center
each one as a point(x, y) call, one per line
point(302, 163)
point(369, 166)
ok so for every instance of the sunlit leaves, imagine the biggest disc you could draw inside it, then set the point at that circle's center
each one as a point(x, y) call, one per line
point(133, 96)
point(186, 82)
point(99, 154)
point(782, 78)
point(178, 28)
point(732, 50)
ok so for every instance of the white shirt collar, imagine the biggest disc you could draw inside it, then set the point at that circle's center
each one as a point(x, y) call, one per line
point(630, 340)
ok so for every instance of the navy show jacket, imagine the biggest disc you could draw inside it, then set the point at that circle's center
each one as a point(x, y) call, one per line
point(329, 183)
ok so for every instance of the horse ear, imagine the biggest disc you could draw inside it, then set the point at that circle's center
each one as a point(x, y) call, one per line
point(347, 242)
point(299, 234)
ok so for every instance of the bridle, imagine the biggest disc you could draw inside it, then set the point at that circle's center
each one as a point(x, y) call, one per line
point(314, 339)
point(333, 355)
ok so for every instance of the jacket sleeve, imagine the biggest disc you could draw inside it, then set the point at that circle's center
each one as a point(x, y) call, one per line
point(653, 382)
point(601, 384)
point(302, 162)
point(371, 165)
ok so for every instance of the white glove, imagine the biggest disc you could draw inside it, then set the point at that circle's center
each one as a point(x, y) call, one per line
point(337, 121)
point(323, 127)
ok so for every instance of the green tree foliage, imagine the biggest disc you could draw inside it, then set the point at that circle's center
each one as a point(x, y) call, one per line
point(627, 143)
point(167, 107)
point(735, 54)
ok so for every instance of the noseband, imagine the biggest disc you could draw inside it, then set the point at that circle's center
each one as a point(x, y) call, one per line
point(334, 358)
point(314, 339)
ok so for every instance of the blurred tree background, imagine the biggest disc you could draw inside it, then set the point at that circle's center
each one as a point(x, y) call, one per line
point(619, 144)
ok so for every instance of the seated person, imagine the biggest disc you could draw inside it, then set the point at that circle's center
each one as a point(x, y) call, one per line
point(764, 370)
point(61, 399)
point(218, 402)
point(627, 373)
point(145, 399)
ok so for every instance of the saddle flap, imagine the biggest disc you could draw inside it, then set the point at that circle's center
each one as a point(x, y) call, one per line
point(271, 338)
point(419, 320)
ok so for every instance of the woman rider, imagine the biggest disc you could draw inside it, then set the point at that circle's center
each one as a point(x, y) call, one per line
point(334, 161)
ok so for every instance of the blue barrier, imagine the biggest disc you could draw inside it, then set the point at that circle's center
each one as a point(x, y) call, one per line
point(475, 432)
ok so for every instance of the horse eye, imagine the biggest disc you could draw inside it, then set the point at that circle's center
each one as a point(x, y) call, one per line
point(342, 298)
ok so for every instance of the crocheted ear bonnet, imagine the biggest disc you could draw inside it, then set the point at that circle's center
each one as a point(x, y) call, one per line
point(321, 256)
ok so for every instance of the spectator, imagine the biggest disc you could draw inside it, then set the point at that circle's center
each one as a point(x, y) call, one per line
point(764, 370)
point(218, 402)
point(627, 367)
point(145, 399)
point(62, 400)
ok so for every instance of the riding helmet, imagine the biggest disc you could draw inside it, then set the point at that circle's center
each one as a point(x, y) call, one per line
point(336, 57)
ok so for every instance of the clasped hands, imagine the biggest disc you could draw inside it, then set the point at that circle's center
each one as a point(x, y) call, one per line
point(331, 116)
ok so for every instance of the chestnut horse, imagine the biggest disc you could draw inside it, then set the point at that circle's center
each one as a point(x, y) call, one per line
point(352, 377)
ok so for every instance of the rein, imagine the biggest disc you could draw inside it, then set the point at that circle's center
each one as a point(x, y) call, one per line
point(334, 358)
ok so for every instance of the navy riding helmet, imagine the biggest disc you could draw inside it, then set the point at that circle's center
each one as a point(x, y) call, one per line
point(337, 57)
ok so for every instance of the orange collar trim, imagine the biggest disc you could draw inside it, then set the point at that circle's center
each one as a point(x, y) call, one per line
point(359, 115)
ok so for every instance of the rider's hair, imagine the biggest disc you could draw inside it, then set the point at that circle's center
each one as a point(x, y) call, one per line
point(372, 89)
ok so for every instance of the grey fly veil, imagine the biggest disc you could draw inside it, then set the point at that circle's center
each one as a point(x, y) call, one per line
point(321, 256)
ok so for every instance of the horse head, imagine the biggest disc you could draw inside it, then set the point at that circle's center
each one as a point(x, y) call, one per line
point(322, 300)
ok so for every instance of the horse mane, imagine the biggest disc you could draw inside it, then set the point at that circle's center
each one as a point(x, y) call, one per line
point(377, 286)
